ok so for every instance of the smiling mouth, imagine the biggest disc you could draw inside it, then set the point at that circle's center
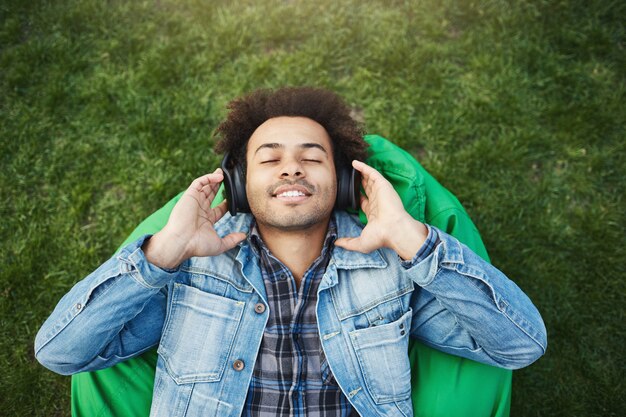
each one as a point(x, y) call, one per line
point(292, 196)
point(289, 194)
point(292, 193)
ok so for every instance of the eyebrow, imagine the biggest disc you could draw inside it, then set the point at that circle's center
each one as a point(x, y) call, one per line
point(306, 145)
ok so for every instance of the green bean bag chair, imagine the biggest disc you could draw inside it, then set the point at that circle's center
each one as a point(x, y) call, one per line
point(443, 384)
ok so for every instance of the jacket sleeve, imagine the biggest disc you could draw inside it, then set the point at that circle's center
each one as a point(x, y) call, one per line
point(115, 313)
point(466, 307)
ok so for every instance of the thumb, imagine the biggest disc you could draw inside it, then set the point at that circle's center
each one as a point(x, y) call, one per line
point(231, 240)
point(352, 243)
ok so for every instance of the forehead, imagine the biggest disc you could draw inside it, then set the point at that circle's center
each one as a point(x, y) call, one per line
point(289, 132)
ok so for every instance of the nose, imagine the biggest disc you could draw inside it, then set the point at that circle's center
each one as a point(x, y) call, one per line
point(292, 168)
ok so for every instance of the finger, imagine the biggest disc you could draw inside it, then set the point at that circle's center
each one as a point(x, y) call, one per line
point(219, 211)
point(210, 190)
point(365, 205)
point(213, 178)
point(215, 185)
point(366, 170)
point(369, 176)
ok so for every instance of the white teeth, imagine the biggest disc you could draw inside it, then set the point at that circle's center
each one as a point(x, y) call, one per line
point(291, 194)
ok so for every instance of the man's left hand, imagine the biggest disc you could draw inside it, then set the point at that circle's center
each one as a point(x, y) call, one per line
point(388, 223)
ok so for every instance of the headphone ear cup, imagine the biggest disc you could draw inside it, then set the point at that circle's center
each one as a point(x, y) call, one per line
point(348, 193)
point(239, 187)
point(235, 187)
point(355, 189)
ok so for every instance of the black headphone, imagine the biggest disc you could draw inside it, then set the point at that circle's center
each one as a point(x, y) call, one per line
point(348, 182)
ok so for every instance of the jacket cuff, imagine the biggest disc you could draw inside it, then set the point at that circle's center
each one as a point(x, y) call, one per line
point(447, 250)
point(430, 244)
point(147, 274)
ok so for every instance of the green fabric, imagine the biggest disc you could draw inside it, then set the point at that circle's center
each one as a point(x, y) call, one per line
point(443, 385)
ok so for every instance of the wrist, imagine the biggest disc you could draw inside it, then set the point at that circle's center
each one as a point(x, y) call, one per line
point(408, 237)
point(161, 250)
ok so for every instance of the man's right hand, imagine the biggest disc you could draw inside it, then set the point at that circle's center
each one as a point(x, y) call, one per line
point(189, 230)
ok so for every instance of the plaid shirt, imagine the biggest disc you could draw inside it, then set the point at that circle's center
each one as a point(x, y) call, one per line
point(291, 376)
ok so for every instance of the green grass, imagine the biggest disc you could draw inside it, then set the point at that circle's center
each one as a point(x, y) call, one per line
point(107, 111)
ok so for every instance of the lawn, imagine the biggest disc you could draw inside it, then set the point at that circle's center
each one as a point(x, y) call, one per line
point(107, 110)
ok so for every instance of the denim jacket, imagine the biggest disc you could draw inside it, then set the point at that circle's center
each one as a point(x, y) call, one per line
point(206, 321)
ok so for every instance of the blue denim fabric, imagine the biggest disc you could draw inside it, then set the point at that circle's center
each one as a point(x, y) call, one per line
point(202, 317)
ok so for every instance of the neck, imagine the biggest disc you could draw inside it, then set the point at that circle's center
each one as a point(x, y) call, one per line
point(296, 249)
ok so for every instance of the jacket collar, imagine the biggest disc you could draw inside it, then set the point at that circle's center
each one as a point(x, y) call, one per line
point(243, 259)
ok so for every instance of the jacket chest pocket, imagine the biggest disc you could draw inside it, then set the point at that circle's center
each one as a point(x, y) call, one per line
point(198, 334)
point(382, 352)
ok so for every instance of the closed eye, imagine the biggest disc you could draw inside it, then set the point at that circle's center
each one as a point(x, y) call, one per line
point(312, 160)
point(269, 161)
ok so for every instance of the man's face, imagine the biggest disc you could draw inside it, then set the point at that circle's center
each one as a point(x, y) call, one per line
point(290, 179)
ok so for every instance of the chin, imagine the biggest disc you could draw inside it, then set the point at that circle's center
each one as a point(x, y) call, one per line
point(293, 221)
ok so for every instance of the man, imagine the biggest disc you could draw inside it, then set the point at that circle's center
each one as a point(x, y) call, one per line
point(296, 308)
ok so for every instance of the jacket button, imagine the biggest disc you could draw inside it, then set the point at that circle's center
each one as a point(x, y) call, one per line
point(259, 308)
point(238, 365)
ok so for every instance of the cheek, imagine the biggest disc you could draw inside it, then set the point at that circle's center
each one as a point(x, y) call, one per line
point(255, 187)
point(328, 187)
point(331, 181)
point(251, 189)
